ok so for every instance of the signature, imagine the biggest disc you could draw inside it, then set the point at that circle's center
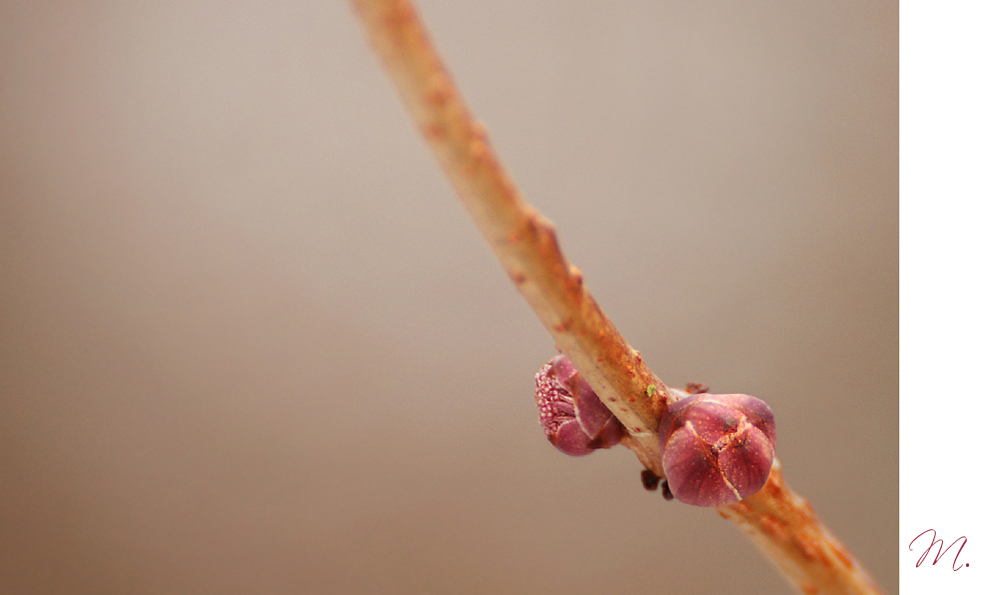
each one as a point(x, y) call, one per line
point(941, 550)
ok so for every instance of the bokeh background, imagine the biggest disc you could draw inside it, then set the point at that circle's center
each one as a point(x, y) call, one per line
point(250, 342)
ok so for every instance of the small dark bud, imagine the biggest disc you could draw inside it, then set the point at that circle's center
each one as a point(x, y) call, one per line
point(649, 479)
point(718, 449)
point(573, 418)
point(696, 388)
point(666, 491)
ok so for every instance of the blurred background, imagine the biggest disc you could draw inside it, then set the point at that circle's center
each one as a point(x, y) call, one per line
point(251, 343)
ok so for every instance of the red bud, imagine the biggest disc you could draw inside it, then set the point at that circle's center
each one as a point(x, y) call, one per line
point(718, 449)
point(572, 416)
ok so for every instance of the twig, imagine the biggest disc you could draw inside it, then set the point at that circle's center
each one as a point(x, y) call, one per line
point(780, 523)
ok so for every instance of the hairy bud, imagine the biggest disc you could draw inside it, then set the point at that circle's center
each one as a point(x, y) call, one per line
point(573, 418)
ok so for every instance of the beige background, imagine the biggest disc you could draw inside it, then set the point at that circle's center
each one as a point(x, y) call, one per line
point(250, 342)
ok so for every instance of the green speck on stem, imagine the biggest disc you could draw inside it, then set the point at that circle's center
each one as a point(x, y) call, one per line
point(651, 390)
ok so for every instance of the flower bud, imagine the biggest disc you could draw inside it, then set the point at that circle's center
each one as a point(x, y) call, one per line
point(572, 416)
point(718, 449)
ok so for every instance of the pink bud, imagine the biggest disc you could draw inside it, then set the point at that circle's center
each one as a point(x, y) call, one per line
point(718, 449)
point(572, 416)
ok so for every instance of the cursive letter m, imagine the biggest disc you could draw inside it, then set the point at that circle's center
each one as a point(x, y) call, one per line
point(941, 550)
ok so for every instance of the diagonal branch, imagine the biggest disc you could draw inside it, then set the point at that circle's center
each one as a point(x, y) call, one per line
point(525, 242)
point(782, 524)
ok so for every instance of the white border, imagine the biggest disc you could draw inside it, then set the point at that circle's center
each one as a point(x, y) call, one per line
point(947, 292)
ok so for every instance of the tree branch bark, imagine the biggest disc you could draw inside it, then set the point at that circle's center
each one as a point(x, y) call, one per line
point(782, 524)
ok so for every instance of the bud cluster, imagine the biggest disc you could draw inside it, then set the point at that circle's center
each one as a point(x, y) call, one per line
point(717, 449)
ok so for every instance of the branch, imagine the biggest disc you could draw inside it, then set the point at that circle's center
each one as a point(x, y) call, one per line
point(782, 524)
